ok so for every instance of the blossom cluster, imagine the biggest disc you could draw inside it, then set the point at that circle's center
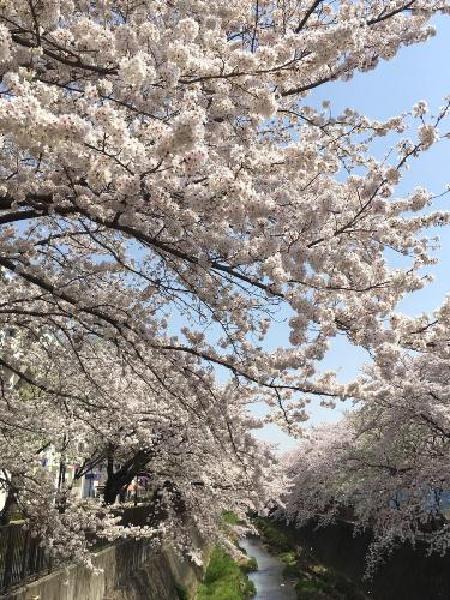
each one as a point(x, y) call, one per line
point(166, 190)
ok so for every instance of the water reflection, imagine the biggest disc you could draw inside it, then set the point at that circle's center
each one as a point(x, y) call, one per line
point(268, 579)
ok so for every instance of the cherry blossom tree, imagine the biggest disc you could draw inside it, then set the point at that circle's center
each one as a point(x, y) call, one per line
point(165, 190)
point(196, 450)
point(388, 461)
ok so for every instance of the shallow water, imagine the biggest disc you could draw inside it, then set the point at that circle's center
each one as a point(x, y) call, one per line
point(268, 579)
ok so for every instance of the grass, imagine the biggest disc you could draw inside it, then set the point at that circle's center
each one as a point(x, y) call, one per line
point(224, 580)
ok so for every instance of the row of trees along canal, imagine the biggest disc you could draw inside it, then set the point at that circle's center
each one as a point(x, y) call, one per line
point(166, 190)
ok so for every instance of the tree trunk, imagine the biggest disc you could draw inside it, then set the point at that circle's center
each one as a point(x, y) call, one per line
point(111, 490)
point(6, 512)
point(125, 475)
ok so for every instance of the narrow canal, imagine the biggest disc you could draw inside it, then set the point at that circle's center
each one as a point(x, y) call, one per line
point(268, 579)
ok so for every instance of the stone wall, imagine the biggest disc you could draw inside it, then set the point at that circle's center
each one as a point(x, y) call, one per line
point(129, 571)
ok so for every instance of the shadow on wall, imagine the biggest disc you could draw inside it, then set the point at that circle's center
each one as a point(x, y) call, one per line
point(408, 574)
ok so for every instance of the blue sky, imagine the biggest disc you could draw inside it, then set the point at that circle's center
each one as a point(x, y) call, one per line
point(416, 73)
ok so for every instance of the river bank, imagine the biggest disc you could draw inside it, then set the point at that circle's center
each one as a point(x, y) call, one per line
point(268, 579)
point(408, 573)
point(277, 568)
point(330, 562)
point(304, 575)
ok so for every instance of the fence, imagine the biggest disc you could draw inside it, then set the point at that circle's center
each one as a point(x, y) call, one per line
point(22, 556)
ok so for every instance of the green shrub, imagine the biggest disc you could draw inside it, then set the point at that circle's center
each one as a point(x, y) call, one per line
point(288, 558)
point(272, 534)
point(312, 595)
point(308, 585)
point(182, 593)
point(249, 565)
point(249, 590)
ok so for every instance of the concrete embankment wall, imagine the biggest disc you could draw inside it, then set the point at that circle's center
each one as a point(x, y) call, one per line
point(129, 571)
point(407, 574)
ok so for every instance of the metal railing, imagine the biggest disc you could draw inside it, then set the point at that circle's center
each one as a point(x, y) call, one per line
point(22, 556)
